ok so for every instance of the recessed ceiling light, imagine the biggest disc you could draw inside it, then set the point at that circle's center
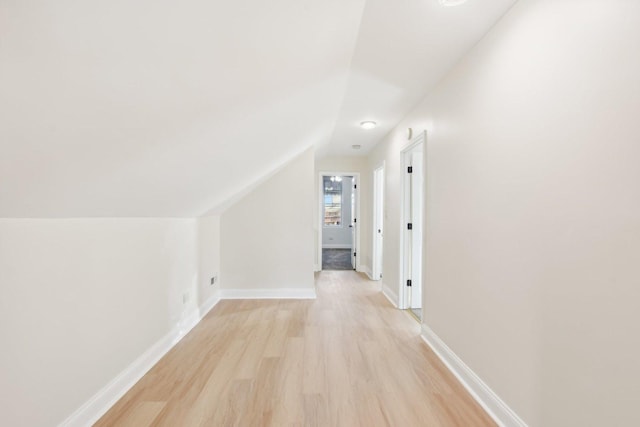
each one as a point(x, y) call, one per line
point(368, 124)
point(452, 2)
point(356, 146)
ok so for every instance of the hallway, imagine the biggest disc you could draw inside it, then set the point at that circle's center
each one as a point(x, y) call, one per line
point(347, 358)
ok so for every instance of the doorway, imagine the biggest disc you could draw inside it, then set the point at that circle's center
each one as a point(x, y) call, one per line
point(378, 222)
point(338, 237)
point(412, 225)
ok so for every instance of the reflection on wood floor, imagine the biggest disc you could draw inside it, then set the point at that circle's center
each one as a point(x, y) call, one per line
point(346, 359)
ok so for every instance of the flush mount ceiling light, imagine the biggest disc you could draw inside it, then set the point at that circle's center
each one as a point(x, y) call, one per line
point(356, 146)
point(368, 124)
point(452, 2)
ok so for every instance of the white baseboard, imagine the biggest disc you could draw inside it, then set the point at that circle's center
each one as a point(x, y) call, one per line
point(190, 322)
point(366, 270)
point(209, 304)
point(490, 401)
point(105, 398)
point(337, 246)
point(283, 293)
point(391, 296)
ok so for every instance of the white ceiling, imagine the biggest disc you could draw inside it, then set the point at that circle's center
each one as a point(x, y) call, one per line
point(404, 48)
point(165, 108)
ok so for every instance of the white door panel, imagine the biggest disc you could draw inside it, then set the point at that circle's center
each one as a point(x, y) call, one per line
point(416, 232)
point(378, 222)
point(354, 223)
point(413, 212)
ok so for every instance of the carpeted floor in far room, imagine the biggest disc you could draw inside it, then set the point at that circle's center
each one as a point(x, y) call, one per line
point(336, 259)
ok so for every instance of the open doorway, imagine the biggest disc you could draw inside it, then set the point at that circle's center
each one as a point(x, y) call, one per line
point(412, 232)
point(378, 222)
point(338, 239)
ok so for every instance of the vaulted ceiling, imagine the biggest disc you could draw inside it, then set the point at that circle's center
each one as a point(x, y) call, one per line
point(164, 108)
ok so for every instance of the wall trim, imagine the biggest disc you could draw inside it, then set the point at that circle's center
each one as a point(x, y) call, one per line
point(105, 398)
point(282, 293)
point(479, 390)
point(367, 271)
point(336, 246)
point(387, 292)
point(211, 302)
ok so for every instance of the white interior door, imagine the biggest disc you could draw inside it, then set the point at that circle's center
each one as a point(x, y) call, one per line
point(378, 222)
point(416, 232)
point(412, 235)
point(354, 223)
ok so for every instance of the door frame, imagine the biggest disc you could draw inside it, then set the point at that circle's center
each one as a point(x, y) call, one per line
point(320, 201)
point(376, 268)
point(421, 138)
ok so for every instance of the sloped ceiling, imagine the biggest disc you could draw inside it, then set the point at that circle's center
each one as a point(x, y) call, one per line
point(404, 48)
point(168, 109)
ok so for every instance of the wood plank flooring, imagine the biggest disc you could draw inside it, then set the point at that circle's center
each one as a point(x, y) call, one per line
point(347, 358)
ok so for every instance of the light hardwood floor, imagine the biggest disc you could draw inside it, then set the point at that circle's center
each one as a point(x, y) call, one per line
point(347, 358)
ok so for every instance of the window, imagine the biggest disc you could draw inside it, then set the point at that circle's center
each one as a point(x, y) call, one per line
point(332, 201)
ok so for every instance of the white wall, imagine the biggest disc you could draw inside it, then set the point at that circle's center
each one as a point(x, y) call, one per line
point(348, 164)
point(208, 257)
point(341, 236)
point(267, 236)
point(533, 210)
point(80, 299)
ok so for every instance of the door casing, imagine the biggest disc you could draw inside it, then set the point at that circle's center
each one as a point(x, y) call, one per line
point(320, 224)
point(406, 262)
